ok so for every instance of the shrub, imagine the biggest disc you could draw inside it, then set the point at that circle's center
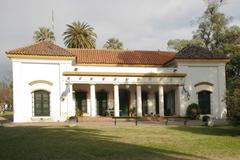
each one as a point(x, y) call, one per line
point(193, 111)
point(233, 105)
point(78, 111)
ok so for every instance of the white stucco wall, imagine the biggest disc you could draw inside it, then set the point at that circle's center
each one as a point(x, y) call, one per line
point(199, 71)
point(26, 71)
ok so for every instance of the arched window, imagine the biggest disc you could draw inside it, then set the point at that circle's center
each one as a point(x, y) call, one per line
point(204, 101)
point(41, 103)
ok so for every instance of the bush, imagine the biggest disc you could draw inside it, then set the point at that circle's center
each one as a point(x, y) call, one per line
point(193, 111)
point(233, 105)
point(78, 111)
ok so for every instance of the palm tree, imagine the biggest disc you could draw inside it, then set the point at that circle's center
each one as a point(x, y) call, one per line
point(113, 43)
point(43, 34)
point(79, 35)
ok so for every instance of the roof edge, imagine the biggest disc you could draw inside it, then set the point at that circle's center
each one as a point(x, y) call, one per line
point(40, 57)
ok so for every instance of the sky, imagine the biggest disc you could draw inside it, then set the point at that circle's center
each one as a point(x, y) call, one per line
point(139, 24)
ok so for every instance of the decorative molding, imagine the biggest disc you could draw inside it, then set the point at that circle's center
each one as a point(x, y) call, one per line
point(119, 65)
point(124, 74)
point(204, 86)
point(40, 89)
point(203, 83)
point(41, 81)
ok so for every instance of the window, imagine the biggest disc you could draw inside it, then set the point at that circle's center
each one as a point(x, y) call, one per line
point(204, 102)
point(41, 103)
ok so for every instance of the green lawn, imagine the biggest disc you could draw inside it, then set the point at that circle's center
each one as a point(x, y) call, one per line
point(125, 141)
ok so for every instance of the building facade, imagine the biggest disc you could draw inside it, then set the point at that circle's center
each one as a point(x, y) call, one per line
point(51, 83)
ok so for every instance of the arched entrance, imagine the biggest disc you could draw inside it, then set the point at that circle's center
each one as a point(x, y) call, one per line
point(204, 101)
point(102, 102)
point(124, 98)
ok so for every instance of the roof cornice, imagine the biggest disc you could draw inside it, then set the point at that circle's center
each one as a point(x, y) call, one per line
point(17, 56)
point(124, 74)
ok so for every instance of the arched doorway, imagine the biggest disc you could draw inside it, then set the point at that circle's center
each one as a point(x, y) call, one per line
point(81, 101)
point(102, 102)
point(204, 101)
point(41, 103)
point(124, 97)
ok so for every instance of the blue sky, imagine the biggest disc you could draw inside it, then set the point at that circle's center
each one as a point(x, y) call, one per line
point(139, 24)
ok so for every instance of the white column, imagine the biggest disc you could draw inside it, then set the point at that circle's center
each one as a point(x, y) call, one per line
point(139, 101)
point(116, 101)
point(181, 102)
point(161, 100)
point(151, 102)
point(93, 100)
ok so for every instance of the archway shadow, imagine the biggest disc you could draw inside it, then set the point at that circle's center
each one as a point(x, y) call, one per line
point(75, 143)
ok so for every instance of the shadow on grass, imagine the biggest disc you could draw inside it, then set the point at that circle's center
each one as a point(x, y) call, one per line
point(226, 130)
point(75, 143)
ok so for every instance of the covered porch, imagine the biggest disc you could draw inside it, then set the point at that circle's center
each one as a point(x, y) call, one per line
point(126, 95)
point(126, 100)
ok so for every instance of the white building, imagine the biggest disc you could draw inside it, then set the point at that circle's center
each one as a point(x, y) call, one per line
point(50, 82)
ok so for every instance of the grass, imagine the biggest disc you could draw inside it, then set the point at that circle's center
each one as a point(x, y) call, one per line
point(125, 141)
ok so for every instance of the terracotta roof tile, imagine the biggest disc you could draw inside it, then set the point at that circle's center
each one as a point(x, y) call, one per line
point(97, 56)
point(101, 56)
point(43, 48)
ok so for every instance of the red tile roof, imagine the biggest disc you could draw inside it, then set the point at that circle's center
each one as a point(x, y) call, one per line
point(44, 48)
point(101, 56)
point(97, 56)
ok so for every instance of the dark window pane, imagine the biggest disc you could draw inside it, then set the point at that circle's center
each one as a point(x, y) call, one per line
point(41, 103)
point(204, 102)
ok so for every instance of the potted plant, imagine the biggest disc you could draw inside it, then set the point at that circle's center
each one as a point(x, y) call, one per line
point(132, 112)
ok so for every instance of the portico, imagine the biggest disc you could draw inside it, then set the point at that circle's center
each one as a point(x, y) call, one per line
point(123, 94)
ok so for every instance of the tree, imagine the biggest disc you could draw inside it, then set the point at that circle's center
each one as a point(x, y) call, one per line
point(178, 44)
point(212, 25)
point(233, 105)
point(113, 43)
point(6, 92)
point(43, 34)
point(215, 34)
point(232, 35)
point(79, 35)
